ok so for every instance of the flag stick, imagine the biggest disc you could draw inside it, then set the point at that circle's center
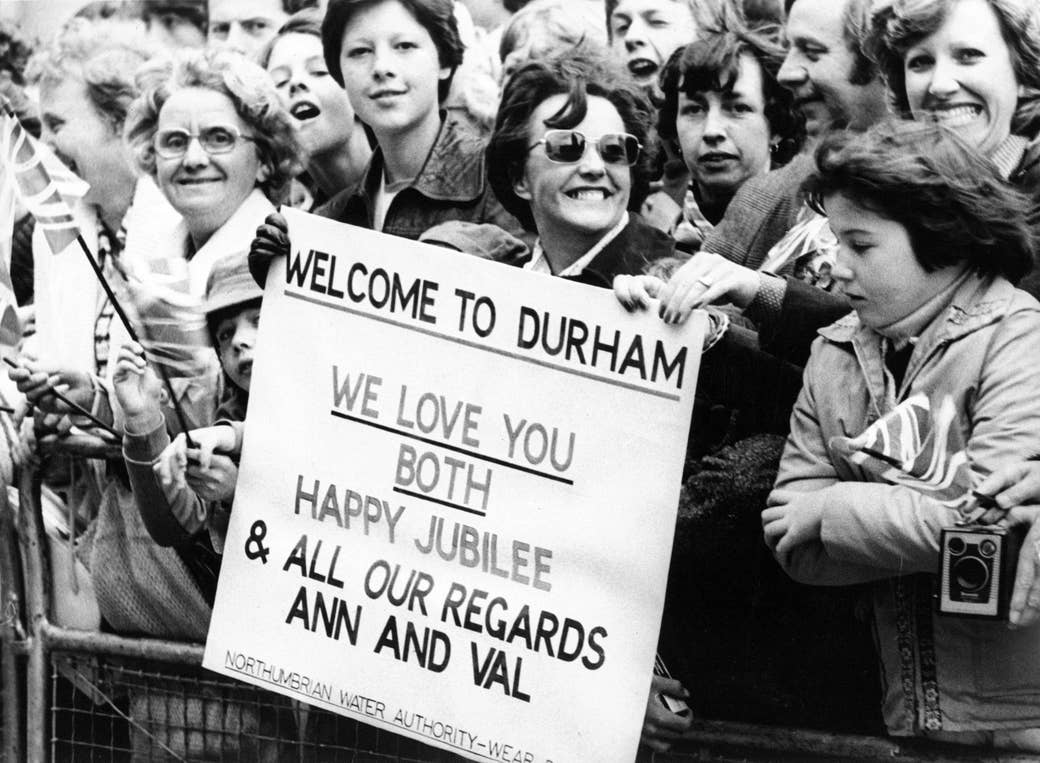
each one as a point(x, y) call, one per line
point(7, 110)
point(181, 419)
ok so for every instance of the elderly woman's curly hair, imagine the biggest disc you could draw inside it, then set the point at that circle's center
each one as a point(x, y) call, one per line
point(952, 201)
point(712, 64)
point(897, 25)
point(579, 73)
point(250, 89)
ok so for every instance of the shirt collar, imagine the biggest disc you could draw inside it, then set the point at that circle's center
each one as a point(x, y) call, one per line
point(539, 263)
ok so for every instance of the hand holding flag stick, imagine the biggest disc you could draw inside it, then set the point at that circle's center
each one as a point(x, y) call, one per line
point(76, 407)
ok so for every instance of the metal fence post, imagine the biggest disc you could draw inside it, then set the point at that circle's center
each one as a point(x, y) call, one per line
point(11, 630)
point(37, 601)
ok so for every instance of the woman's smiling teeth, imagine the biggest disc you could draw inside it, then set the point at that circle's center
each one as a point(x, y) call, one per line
point(588, 194)
point(958, 116)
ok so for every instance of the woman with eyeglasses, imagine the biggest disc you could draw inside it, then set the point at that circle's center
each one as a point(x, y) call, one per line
point(569, 157)
point(210, 129)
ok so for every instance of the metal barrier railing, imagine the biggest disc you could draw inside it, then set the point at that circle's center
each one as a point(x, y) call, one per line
point(12, 632)
point(83, 695)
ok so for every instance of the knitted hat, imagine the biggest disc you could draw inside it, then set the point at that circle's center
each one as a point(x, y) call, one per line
point(230, 284)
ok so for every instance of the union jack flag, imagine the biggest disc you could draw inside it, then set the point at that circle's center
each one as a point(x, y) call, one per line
point(39, 180)
point(171, 322)
point(916, 445)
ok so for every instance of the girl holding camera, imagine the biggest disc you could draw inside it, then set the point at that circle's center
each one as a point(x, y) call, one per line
point(908, 404)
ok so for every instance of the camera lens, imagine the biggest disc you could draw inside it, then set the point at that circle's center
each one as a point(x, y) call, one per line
point(987, 548)
point(956, 546)
point(971, 574)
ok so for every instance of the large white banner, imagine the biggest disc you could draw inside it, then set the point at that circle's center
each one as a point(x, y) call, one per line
point(456, 500)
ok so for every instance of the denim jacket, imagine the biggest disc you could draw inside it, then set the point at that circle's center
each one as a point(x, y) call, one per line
point(452, 185)
point(976, 372)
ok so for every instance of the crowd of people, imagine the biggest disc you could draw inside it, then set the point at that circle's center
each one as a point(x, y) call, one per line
point(849, 188)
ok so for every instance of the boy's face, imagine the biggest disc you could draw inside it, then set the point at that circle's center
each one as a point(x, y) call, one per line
point(236, 341)
point(645, 32)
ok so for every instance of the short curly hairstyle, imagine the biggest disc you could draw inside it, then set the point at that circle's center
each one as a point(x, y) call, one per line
point(898, 25)
point(437, 17)
point(712, 64)
point(578, 74)
point(249, 88)
point(952, 201)
point(105, 55)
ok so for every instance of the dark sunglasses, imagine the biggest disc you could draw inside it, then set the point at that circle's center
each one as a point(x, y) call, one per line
point(568, 147)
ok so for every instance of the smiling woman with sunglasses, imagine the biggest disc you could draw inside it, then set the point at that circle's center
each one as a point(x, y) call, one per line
point(569, 158)
point(210, 129)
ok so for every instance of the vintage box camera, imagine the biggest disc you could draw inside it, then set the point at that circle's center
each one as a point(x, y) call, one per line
point(977, 570)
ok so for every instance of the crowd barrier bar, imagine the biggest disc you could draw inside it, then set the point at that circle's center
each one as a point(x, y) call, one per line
point(12, 634)
point(28, 636)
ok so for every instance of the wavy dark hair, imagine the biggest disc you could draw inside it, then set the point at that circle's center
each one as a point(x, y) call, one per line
point(437, 17)
point(712, 64)
point(898, 25)
point(578, 74)
point(951, 200)
point(250, 90)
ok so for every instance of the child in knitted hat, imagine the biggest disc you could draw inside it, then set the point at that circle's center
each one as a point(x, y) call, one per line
point(182, 491)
